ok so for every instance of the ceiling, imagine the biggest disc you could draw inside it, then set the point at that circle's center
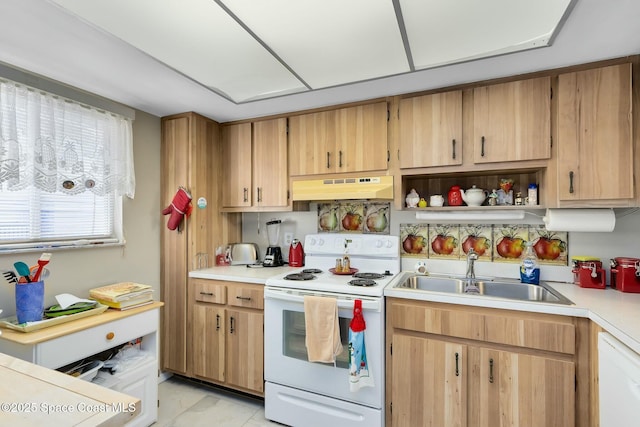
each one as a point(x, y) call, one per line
point(237, 59)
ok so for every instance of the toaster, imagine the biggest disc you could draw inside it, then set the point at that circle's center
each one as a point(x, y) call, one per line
point(243, 253)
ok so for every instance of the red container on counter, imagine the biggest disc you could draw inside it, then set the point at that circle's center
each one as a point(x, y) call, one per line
point(588, 272)
point(625, 274)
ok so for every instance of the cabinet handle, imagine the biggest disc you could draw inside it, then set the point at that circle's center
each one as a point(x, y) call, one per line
point(110, 336)
point(259, 194)
point(217, 322)
point(328, 160)
point(453, 144)
point(232, 324)
point(457, 370)
point(491, 370)
point(571, 182)
point(210, 294)
point(340, 158)
point(243, 298)
point(246, 194)
point(482, 147)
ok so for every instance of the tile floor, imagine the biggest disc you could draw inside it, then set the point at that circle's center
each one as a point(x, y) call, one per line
point(184, 403)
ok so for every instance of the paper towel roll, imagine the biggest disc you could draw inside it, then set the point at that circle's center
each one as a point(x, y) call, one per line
point(594, 220)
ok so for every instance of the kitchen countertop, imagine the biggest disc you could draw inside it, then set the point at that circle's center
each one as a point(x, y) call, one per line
point(240, 273)
point(617, 312)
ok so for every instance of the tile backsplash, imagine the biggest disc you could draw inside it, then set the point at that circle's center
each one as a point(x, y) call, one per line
point(492, 242)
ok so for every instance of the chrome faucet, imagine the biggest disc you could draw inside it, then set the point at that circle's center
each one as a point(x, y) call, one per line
point(471, 287)
point(472, 257)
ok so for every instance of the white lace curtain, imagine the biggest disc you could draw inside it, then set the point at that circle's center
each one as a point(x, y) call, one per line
point(58, 145)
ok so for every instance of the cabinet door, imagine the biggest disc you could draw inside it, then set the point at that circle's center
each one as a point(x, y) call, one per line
point(431, 130)
point(312, 141)
point(428, 386)
point(236, 154)
point(595, 147)
point(270, 174)
point(175, 154)
point(361, 138)
point(514, 389)
point(245, 349)
point(511, 121)
point(208, 343)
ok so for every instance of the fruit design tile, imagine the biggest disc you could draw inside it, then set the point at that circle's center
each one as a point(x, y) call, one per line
point(444, 241)
point(550, 247)
point(376, 218)
point(509, 242)
point(351, 217)
point(354, 217)
point(478, 237)
point(328, 217)
point(415, 240)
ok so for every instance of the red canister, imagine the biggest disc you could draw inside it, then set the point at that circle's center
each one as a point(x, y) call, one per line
point(454, 198)
point(625, 274)
point(588, 272)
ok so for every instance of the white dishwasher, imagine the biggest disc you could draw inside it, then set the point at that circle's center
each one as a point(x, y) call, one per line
point(619, 372)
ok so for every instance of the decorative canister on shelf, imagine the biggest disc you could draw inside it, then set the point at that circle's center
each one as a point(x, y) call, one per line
point(454, 198)
point(412, 198)
point(422, 203)
point(493, 198)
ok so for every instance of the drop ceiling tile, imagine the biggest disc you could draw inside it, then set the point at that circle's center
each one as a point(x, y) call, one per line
point(329, 42)
point(198, 39)
point(445, 32)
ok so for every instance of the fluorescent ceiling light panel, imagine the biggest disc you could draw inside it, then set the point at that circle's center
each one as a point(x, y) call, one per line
point(329, 42)
point(444, 32)
point(196, 38)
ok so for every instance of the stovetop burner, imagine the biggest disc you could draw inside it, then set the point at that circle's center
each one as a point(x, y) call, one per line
point(371, 276)
point(362, 282)
point(299, 276)
point(312, 270)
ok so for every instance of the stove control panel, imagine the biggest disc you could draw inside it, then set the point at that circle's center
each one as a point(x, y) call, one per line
point(352, 244)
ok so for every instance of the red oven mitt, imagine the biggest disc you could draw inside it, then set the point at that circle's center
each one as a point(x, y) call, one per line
point(179, 207)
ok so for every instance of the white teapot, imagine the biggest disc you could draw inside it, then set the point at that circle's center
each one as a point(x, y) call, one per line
point(474, 196)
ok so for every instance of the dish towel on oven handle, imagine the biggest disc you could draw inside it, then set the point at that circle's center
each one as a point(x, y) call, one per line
point(359, 374)
point(322, 329)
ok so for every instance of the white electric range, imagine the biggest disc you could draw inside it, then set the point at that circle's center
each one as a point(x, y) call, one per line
point(292, 382)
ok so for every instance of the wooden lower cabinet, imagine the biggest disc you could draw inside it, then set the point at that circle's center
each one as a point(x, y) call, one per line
point(227, 334)
point(454, 377)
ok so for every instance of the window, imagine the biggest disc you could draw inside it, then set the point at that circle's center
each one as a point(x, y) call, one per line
point(64, 168)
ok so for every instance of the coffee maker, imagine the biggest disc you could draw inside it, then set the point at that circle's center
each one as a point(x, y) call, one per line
point(273, 258)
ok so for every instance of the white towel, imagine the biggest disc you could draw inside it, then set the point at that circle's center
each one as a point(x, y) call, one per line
point(322, 329)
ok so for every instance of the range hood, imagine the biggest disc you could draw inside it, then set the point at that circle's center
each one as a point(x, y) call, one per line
point(376, 187)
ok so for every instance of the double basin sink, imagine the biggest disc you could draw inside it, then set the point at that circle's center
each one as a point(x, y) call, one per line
point(496, 288)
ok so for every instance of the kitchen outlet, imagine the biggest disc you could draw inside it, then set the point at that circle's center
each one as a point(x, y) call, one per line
point(288, 238)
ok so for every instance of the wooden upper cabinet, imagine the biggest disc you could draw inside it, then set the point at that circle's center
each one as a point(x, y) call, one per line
point(595, 145)
point(270, 174)
point(255, 164)
point(236, 155)
point(431, 130)
point(511, 121)
point(352, 139)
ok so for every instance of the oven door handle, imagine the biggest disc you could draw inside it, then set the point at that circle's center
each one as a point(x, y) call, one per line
point(344, 301)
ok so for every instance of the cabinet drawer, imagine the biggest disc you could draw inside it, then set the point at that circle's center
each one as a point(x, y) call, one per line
point(73, 347)
point(418, 317)
point(209, 291)
point(520, 329)
point(248, 296)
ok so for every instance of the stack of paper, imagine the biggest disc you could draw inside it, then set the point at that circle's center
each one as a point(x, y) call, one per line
point(123, 295)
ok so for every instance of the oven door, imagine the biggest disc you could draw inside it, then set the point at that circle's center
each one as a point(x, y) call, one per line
point(285, 359)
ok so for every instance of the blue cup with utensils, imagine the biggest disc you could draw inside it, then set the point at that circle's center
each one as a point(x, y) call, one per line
point(29, 301)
